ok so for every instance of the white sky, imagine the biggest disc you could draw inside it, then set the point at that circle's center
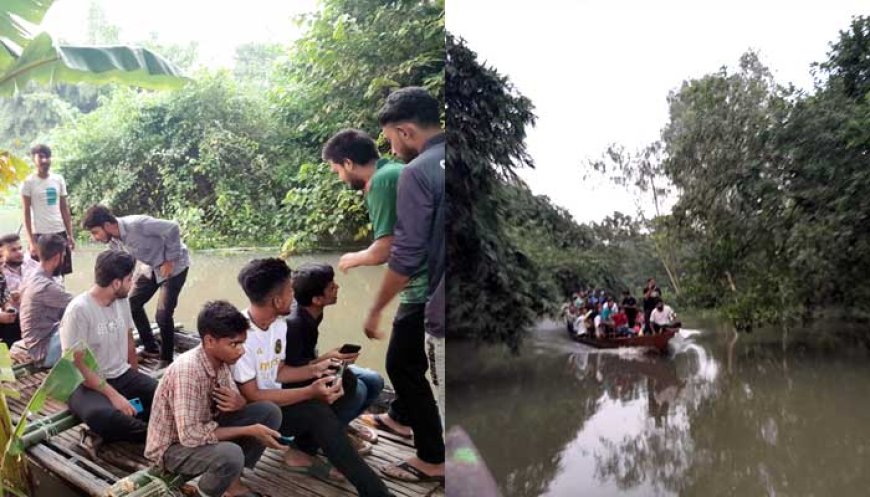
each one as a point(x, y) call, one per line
point(219, 26)
point(599, 71)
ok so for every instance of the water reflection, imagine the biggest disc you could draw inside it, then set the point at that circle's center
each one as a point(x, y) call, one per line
point(719, 416)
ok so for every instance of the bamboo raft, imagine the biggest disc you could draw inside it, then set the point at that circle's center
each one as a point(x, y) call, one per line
point(120, 469)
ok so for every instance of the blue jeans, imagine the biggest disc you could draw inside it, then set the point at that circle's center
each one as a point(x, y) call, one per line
point(368, 387)
point(52, 355)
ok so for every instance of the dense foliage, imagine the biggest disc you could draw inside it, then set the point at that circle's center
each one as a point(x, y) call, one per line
point(772, 211)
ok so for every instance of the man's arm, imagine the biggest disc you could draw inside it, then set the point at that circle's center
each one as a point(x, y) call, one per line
point(169, 231)
point(376, 254)
point(28, 228)
point(289, 396)
point(409, 249)
point(296, 374)
point(132, 358)
point(67, 221)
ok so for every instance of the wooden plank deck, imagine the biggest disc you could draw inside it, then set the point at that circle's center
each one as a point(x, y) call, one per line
point(62, 454)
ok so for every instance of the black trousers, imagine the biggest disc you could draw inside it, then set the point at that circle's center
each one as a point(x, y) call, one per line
point(631, 314)
point(406, 366)
point(315, 425)
point(143, 289)
point(100, 415)
point(10, 333)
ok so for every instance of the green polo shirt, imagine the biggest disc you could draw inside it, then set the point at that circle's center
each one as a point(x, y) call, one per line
point(381, 204)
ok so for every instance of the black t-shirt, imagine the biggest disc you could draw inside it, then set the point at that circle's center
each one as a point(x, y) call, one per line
point(302, 334)
point(650, 302)
point(630, 300)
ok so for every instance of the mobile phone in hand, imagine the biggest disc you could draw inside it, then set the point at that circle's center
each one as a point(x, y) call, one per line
point(349, 348)
point(137, 404)
point(285, 440)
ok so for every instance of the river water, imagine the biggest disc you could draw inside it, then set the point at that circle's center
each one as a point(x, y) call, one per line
point(763, 414)
point(213, 275)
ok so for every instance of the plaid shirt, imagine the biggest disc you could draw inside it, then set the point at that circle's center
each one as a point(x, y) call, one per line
point(183, 411)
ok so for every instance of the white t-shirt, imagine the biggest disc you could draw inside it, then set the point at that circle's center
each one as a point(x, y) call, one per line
point(104, 329)
point(45, 197)
point(665, 316)
point(264, 353)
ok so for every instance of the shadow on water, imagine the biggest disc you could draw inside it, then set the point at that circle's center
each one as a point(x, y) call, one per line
point(720, 415)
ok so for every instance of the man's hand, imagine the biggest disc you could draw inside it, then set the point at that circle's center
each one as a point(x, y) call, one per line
point(328, 394)
point(228, 400)
point(32, 246)
point(72, 242)
point(337, 355)
point(371, 325)
point(15, 297)
point(320, 368)
point(265, 435)
point(120, 403)
point(348, 261)
point(166, 269)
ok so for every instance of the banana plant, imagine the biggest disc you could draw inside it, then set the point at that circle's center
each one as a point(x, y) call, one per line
point(27, 57)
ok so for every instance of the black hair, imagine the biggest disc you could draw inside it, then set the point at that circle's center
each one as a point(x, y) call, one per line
point(40, 148)
point(353, 144)
point(412, 104)
point(220, 319)
point(10, 238)
point(113, 265)
point(49, 246)
point(310, 280)
point(96, 216)
point(260, 278)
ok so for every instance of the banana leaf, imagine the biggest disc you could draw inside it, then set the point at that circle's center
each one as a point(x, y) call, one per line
point(31, 11)
point(13, 471)
point(42, 61)
point(60, 383)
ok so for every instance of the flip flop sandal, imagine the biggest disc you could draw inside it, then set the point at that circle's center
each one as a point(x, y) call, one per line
point(318, 469)
point(380, 425)
point(419, 476)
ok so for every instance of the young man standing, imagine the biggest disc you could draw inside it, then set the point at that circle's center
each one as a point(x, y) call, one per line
point(315, 288)
point(410, 119)
point(629, 304)
point(43, 302)
point(306, 411)
point(100, 319)
point(200, 423)
point(353, 155)
point(157, 244)
point(46, 210)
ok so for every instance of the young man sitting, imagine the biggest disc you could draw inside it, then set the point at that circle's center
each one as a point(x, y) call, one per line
point(315, 288)
point(201, 424)
point(663, 317)
point(43, 301)
point(306, 411)
point(100, 319)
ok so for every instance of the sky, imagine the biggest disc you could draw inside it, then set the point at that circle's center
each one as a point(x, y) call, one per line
point(599, 72)
point(218, 26)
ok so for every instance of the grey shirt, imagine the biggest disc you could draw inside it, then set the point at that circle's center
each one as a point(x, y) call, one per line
point(418, 237)
point(152, 242)
point(104, 329)
point(43, 301)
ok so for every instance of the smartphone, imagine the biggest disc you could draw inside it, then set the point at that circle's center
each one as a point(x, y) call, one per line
point(349, 348)
point(285, 440)
point(137, 404)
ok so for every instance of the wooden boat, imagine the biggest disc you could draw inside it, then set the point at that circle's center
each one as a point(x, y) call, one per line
point(658, 341)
